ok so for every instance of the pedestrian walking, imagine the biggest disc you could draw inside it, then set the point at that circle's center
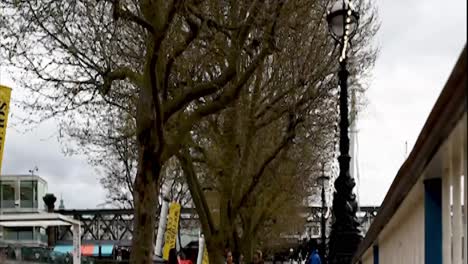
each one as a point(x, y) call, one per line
point(258, 257)
point(291, 255)
point(314, 257)
point(229, 259)
point(241, 259)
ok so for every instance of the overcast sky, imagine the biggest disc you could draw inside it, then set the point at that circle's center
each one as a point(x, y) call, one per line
point(420, 41)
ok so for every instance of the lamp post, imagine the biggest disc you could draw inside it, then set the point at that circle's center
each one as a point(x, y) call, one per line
point(345, 235)
point(323, 180)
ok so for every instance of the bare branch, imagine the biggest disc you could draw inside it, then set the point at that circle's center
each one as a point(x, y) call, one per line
point(260, 172)
point(120, 13)
point(197, 194)
point(231, 93)
point(119, 74)
point(191, 36)
point(199, 91)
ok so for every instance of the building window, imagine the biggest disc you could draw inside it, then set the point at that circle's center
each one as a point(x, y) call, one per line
point(40, 234)
point(28, 194)
point(316, 231)
point(7, 194)
point(18, 233)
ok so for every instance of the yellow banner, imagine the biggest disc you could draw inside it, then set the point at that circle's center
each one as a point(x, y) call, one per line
point(5, 93)
point(205, 259)
point(171, 229)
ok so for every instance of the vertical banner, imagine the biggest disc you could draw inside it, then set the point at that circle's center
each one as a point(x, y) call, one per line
point(171, 229)
point(205, 256)
point(5, 93)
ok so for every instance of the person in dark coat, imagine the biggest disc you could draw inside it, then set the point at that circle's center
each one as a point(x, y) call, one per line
point(314, 258)
point(181, 259)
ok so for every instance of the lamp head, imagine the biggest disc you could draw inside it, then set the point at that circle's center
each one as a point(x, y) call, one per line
point(342, 20)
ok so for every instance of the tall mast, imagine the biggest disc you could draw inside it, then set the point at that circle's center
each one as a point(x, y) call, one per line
point(354, 167)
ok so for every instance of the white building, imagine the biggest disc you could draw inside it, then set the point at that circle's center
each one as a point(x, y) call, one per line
point(22, 194)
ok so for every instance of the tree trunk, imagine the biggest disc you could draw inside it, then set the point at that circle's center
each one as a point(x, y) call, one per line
point(247, 247)
point(215, 250)
point(218, 244)
point(146, 193)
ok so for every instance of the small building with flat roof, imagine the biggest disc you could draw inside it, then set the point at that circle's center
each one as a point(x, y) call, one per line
point(22, 194)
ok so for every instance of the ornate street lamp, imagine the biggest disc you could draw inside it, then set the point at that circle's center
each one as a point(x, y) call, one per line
point(345, 235)
point(323, 181)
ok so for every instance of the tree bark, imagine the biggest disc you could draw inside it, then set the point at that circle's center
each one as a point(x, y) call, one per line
point(247, 242)
point(248, 248)
point(146, 193)
point(215, 250)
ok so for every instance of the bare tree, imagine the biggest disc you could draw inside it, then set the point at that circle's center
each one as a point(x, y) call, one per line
point(166, 63)
point(117, 164)
point(155, 70)
point(258, 157)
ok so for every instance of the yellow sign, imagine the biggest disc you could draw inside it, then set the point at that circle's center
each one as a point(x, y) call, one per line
point(5, 93)
point(205, 259)
point(171, 229)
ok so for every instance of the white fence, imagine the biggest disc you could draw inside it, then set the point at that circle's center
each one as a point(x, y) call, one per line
point(453, 193)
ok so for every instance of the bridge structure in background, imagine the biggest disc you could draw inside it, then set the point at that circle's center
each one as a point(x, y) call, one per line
point(109, 224)
point(117, 224)
point(365, 216)
point(99, 224)
point(364, 213)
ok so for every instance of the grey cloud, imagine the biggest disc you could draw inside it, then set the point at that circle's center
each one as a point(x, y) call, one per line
point(422, 27)
point(70, 176)
point(420, 42)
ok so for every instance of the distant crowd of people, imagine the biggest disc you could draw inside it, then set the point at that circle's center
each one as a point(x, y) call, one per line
point(229, 259)
point(308, 258)
point(302, 258)
point(257, 258)
point(306, 253)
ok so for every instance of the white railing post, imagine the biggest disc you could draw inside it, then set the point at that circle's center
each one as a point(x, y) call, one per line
point(446, 212)
point(201, 249)
point(465, 187)
point(162, 226)
point(457, 229)
point(76, 243)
